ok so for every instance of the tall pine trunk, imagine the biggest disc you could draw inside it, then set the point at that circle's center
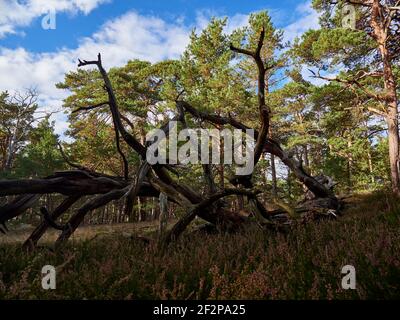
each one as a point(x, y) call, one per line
point(381, 36)
point(392, 121)
point(393, 136)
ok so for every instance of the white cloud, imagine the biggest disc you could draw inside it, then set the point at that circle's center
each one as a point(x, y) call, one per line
point(135, 36)
point(15, 14)
point(309, 19)
point(203, 17)
point(127, 37)
point(236, 21)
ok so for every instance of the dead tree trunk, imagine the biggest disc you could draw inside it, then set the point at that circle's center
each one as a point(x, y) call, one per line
point(153, 180)
point(33, 239)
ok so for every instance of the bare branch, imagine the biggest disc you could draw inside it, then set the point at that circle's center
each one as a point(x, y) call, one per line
point(271, 146)
point(90, 205)
point(101, 104)
point(73, 165)
point(263, 109)
point(31, 242)
point(112, 101)
point(354, 83)
point(181, 225)
point(17, 206)
point(50, 220)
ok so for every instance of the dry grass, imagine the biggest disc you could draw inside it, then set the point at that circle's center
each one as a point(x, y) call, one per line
point(302, 264)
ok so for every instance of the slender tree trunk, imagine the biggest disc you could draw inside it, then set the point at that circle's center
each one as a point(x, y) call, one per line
point(349, 164)
point(121, 215)
point(273, 170)
point(141, 211)
point(240, 202)
point(289, 182)
point(221, 166)
point(273, 173)
point(306, 159)
point(163, 217)
point(306, 165)
point(10, 153)
point(370, 165)
point(153, 213)
point(103, 213)
point(369, 156)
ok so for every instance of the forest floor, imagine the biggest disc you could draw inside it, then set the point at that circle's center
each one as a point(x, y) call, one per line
point(103, 262)
point(84, 233)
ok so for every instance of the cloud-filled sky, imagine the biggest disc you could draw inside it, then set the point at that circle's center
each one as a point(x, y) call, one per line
point(34, 57)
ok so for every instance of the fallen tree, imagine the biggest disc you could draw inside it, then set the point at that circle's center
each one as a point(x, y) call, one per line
point(153, 180)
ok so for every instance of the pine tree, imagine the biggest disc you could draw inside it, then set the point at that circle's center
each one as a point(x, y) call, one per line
point(368, 53)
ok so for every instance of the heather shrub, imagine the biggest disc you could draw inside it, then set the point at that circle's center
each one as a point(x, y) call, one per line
point(304, 263)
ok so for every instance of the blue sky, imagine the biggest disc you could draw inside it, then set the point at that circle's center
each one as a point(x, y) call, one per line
point(120, 29)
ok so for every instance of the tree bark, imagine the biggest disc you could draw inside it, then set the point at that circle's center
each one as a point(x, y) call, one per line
point(381, 36)
point(90, 205)
point(393, 136)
